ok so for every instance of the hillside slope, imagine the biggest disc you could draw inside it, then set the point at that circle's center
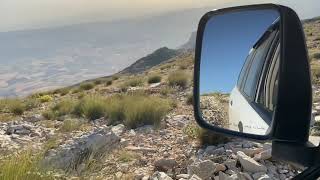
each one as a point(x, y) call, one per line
point(159, 56)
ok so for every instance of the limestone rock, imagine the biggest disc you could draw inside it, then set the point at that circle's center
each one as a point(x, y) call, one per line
point(160, 176)
point(250, 164)
point(165, 164)
point(70, 156)
point(203, 169)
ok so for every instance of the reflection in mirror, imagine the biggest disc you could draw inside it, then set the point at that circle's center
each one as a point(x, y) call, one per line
point(239, 70)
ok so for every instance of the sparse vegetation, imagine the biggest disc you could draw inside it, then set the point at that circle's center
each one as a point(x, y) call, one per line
point(31, 103)
point(86, 86)
point(109, 82)
point(45, 98)
point(190, 99)
point(15, 106)
point(24, 165)
point(70, 125)
point(204, 137)
point(134, 82)
point(137, 110)
point(127, 156)
point(178, 78)
point(114, 78)
point(316, 55)
point(141, 110)
point(98, 81)
point(154, 79)
point(62, 91)
point(166, 90)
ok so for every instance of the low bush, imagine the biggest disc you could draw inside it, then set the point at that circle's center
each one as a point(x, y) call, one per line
point(115, 78)
point(134, 82)
point(62, 108)
point(70, 125)
point(137, 111)
point(204, 137)
point(166, 90)
point(178, 78)
point(143, 110)
point(127, 156)
point(31, 103)
point(86, 86)
point(15, 106)
point(154, 79)
point(109, 82)
point(190, 99)
point(45, 98)
point(316, 56)
point(98, 81)
point(76, 90)
point(91, 107)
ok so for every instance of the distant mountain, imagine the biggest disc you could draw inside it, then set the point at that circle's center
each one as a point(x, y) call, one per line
point(160, 55)
point(311, 20)
point(40, 59)
point(191, 44)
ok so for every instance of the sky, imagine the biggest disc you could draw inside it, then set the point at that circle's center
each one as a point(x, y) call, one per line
point(227, 41)
point(33, 14)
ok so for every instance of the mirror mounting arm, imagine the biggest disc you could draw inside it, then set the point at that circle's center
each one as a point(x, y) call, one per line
point(306, 154)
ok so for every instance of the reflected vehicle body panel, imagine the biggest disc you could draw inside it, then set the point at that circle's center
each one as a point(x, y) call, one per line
point(242, 117)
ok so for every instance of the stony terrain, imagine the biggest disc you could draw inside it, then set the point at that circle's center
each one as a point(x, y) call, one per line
point(55, 135)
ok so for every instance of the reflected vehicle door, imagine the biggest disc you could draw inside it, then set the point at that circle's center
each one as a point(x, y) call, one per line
point(250, 89)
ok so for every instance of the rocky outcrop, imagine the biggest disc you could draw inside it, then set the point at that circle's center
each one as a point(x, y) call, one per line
point(72, 156)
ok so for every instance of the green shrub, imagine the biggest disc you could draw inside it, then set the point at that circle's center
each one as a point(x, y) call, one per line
point(140, 110)
point(166, 90)
point(127, 156)
point(135, 110)
point(178, 79)
point(154, 79)
point(190, 99)
point(64, 91)
point(205, 137)
point(134, 82)
point(115, 109)
point(31, 103)
point(91, 107)
point(98, 81)
point(109, 82)
point(16, 106)
point(48, 114)
point(24, 165)
point(211, 138)
point(115, 78)
point(63, 108)
point(70, 125)
point(316, 55)
point(76, 90)
point(86, 86)
point(45, 98)
point(183, 66)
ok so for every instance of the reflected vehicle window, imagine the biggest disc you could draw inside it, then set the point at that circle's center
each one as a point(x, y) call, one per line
point(256, 66)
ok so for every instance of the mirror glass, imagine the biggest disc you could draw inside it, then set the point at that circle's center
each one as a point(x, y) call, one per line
point(239, 70)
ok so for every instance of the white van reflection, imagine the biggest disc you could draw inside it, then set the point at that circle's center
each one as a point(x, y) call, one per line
point(256, 89)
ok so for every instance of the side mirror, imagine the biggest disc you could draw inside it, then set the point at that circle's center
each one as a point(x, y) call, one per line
point(252, 76)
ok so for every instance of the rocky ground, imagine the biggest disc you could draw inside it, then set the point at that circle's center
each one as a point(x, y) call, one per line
point(143, 153)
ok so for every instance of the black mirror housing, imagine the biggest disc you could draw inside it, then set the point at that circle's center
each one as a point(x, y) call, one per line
point(291, 119)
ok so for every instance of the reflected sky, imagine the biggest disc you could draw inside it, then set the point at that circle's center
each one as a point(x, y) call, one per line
point(227, 41)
